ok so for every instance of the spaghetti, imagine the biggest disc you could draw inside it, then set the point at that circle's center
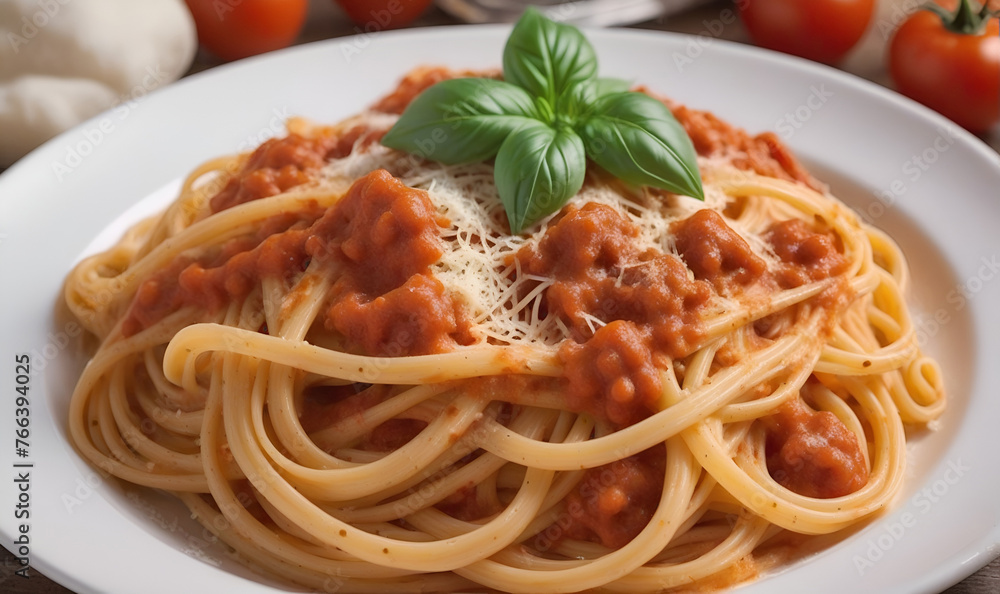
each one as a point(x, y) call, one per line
point(340, 360)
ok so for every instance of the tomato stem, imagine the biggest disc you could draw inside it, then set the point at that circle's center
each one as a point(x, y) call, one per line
point(967, 19)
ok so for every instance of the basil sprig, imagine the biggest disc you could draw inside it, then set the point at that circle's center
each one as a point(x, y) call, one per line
point(544, 120)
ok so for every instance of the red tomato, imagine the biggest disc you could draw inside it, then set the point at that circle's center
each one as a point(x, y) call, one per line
point(378, 15)
point(820, 30)
point(234, 29)
point(956, 74)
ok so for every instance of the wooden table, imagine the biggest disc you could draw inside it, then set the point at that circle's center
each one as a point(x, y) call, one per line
point(866, 60)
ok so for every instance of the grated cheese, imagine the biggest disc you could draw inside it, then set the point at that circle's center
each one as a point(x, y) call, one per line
point(478, 266)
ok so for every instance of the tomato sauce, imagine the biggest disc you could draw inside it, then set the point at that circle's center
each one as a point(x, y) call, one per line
point(419, 317)
point(274, 167)
point(813, 453)
point(807, 255)
point(280, 164)
point(764, 154)
point(715, 253)
point(614, 502)
point(380, 240)
point(385, 299)
point(224, 275)
point(649, 305)
point(415, 82)
point(411, 86)
point(646, 307)
point(614, 374)
point(651, 309)
point(598, 270)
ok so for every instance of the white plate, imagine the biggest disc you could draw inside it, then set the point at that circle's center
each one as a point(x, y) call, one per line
point(91, 535)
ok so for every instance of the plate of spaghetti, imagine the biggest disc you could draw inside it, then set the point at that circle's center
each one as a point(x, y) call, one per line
point(434, 311)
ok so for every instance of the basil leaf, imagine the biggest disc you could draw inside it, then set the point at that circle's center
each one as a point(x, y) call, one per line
point(537, 170)
point(542, 123)
point(547, 58)
point(607, 85)
point(461, 120)
point(637, 139)
point(577, 101)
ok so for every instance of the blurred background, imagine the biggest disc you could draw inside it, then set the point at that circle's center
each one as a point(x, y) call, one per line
point(65, 61)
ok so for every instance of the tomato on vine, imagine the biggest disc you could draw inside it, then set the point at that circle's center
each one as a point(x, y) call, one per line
point(948, 58)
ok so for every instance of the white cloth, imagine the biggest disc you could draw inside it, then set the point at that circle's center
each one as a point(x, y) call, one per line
point(64, 61)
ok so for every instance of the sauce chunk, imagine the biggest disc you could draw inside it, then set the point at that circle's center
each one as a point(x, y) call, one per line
point(613, 503)
point(219, 277)
point(385, 236)
point(764, 153)
point(379, 242)
point(644, 299)
point(807, 255)
point(613, 374)
point(599, 272)
point(813, 453)
point(280, 164)
point(276, 166)
point(715, 252)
